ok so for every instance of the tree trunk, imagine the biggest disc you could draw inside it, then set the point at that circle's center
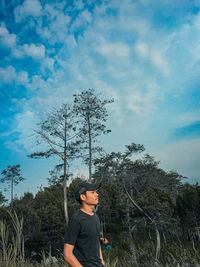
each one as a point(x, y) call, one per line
point(90, 151)
point(12, 184)
point(65, 178)
point(20, 241)
point(158, 244)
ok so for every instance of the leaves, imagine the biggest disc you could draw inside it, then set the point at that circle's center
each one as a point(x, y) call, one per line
point(12, 176)
point(92, 114)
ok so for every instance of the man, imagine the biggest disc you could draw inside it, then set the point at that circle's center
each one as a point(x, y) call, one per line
point(82, 239)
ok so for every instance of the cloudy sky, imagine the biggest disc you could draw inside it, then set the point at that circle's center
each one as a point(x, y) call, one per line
point(145, 54)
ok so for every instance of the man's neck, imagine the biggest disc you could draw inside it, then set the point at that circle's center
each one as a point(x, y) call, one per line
point(88, 209)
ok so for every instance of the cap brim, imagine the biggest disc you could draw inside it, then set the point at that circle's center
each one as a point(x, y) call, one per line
point(94, 187)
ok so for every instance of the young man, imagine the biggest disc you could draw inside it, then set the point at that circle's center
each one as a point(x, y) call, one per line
point(82, 239)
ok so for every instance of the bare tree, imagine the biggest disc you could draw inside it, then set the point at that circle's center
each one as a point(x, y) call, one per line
point(58, 131)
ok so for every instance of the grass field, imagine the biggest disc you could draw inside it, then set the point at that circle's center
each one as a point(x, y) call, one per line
point(138, 251)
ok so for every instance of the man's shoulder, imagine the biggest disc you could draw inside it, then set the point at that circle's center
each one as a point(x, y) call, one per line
point(77, 216)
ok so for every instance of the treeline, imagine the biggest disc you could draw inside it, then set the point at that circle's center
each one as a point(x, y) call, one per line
point(165, 201)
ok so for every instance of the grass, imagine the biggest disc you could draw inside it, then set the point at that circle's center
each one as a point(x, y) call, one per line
point(138, 252)
point(141, 253)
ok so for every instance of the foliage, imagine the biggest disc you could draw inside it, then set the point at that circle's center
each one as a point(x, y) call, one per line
point(93, 114)
point(137, 251)
point(188, 209)
point(59, 132)
point(2, 198)
point(12, 176)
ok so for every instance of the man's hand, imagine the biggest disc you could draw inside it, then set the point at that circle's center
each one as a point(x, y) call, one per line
point(102, 261)
point(101, 257)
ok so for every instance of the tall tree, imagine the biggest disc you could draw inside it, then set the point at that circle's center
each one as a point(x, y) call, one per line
point(58, 131)
point(93, 114)
point(12, 176)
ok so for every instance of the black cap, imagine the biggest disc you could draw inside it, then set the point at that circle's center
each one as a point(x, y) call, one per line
point(83, 187)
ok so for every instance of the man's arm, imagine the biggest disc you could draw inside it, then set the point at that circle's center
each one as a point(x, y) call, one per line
point(101, 256)
point(69, 256)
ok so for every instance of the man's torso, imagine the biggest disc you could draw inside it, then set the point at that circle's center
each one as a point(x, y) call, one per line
point(84, 233)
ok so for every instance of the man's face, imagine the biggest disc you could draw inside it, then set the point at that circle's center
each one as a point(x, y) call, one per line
point(91, 197)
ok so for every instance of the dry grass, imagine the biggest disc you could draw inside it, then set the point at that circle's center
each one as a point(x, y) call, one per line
point(174, 253)
point(135, 253)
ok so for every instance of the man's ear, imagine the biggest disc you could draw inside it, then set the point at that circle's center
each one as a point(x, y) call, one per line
point(82, 197)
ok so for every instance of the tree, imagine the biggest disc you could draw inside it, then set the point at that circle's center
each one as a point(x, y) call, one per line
point(12, 177)
point(48, 205)
point(58, 131)
point(2, 198)
point(93, 114)
point(151, 187)
point(188, 209)
point(145, 192)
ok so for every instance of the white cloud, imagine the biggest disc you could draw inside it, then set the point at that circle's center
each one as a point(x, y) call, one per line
point(6, 38)
point(141, 103)
point(113, 50)
point(48, 64)
point(79, 4)
point(9, 75)
point(82, 20)
point(28, 8)
point(20, 51)
point(51, 12)
point(36, 83)
point(34, 51)
point(23, 77)
point(29, 50)
point(186, 118)
point(58, 24)
point(183, 52)
point(141, 48)
point(24, 126)
point(158, 59)
point(154, 55)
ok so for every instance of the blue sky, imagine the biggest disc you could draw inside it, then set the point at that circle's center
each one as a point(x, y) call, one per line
point(145, 54)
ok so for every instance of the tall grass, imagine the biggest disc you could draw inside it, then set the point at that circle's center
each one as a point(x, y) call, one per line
point(9, 243)
point(11, 246)
point(138, 252)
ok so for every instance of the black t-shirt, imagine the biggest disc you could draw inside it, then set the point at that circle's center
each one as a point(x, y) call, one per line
point(84, 233)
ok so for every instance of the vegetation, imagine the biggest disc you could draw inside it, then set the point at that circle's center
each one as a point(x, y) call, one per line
point(150, 217)
point(93, 114)
point(59, 132)
point(12, 176)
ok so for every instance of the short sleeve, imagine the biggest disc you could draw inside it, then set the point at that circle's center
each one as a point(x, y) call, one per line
point(72, 231)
